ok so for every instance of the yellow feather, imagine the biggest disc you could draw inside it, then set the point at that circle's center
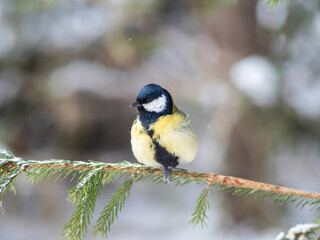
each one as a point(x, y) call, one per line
point(142, 146)
point(174, 108)
point(175, 134)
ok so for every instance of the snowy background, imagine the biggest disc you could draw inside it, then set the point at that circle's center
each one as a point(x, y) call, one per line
point(248, 76)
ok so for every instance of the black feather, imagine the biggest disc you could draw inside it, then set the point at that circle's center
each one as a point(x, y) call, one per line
point(162, 156)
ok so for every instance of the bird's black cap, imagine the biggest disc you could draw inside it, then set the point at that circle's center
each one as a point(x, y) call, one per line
point(147, 94)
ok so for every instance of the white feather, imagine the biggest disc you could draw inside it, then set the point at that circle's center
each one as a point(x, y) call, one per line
point(157, 105)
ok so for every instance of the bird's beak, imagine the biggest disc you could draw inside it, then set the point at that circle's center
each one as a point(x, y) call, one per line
point(135, 104)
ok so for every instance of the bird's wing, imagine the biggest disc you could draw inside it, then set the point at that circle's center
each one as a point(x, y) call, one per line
point(174, 133)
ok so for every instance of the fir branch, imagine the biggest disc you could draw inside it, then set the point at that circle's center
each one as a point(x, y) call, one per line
point(200, 213)
point(114, 206)
point(272, 3)
point(84, 194)
point(93, 175)
point(179, 176)
point(8, 172)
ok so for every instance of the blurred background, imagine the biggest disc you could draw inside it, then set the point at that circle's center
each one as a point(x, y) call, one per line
point(248, 76)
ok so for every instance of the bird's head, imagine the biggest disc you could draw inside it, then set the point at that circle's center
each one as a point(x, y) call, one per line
point(153, 102)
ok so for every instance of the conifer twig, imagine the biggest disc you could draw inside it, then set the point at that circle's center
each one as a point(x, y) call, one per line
point(91, 176)
point(177, 173)
point(199, 215)
point(110, 211)
point(272, 3)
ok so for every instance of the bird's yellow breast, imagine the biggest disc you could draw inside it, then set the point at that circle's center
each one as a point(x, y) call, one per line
point(142, 146)
point(173, 132)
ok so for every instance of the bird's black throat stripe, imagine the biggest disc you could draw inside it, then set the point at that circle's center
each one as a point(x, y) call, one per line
point(162, 156)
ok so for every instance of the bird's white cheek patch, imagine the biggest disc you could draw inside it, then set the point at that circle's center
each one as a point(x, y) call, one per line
point(157, 105)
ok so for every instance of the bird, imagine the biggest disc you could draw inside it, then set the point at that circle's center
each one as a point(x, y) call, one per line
point(161, 135)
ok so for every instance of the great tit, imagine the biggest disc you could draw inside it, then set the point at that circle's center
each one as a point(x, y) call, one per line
point(162, 135)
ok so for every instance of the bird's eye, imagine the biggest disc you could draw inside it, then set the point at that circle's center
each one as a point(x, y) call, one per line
point(147, 100)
